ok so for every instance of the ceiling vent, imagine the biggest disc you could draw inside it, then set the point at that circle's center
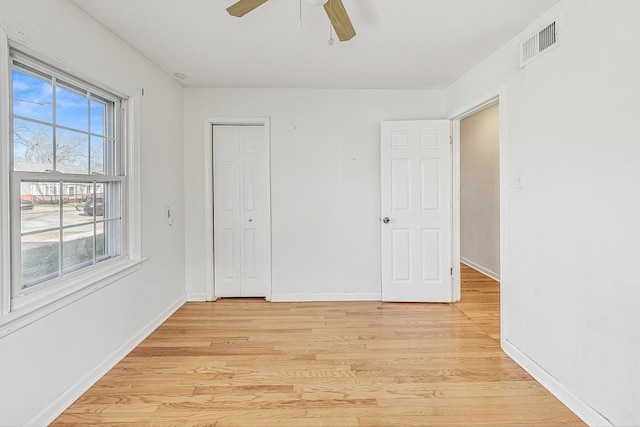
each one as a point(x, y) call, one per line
point(538, 44)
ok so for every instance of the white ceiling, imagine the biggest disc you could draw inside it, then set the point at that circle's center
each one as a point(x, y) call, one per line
point(400, 44)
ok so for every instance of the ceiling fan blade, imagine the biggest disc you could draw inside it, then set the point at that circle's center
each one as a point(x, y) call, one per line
point(243, 7)
point(339, 19)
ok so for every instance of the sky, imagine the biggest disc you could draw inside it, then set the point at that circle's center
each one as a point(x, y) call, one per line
point(79, 125)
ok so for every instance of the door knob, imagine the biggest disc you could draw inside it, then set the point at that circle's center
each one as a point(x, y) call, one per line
point(386, 220)
point(250, 219)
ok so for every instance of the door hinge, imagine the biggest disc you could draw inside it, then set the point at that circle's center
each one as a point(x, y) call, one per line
point(451, 271)
point(450, 139)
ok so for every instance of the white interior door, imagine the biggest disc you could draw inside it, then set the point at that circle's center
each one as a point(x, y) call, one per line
point(241, 224)
point(416, 211)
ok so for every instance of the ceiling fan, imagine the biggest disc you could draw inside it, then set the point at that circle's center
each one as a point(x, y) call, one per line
point(335, 11)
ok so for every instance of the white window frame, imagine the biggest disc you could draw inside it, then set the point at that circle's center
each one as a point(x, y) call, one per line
point(17, 312)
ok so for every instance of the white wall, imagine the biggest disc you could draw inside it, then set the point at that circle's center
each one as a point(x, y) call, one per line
point(480, 191)
point(47, 363)
point(325, 183)
point(572, 234)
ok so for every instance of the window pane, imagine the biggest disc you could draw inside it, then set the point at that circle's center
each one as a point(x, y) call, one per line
point(40, 257)
point(39, 228)
point(93, 203)
point(44, 214)
point(32, 146)
point(96, 164)
point(72, 150)
point(77, 247)
point(75, 199)
point(72, 108)
point(27, 203)
point(32, 96)
point(98, 116)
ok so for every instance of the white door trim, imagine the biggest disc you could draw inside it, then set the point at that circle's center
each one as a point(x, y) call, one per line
point(496, 96)
point(209, 122)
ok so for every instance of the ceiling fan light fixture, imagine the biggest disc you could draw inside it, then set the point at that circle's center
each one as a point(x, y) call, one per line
point(338, 16)
point(315, 3)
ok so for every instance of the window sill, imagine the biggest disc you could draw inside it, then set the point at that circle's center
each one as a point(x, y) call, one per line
point(29, 308)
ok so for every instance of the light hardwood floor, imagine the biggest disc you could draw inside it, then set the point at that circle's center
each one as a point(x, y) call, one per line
point(239, 362)
point(480, 300)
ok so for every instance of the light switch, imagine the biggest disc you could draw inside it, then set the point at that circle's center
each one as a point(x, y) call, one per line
point(167, 213)
point(519, 180)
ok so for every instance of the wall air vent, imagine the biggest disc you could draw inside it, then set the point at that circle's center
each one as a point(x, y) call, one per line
point(539, 43)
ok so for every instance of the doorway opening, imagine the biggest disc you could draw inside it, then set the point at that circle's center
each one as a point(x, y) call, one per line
point(477, 169)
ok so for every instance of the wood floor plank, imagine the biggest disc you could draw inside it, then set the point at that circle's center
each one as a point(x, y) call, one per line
point(480, 300)
point(248, 362)
point(294, 422)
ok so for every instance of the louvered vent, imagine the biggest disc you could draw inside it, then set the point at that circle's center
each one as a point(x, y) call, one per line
point(538, 44)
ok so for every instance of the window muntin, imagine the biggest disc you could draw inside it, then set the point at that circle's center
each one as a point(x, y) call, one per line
point(66, 176)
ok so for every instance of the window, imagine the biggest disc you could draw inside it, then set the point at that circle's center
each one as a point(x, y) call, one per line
point(67, 177)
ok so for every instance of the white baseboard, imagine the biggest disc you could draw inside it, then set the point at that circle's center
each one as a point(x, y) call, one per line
point(481, 269)
point(65, 400)
point(373, 296)
point(570, 400)
point(196, 297)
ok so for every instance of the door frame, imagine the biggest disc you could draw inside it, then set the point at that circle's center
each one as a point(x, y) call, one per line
point(497, 96)
point(209, 253)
